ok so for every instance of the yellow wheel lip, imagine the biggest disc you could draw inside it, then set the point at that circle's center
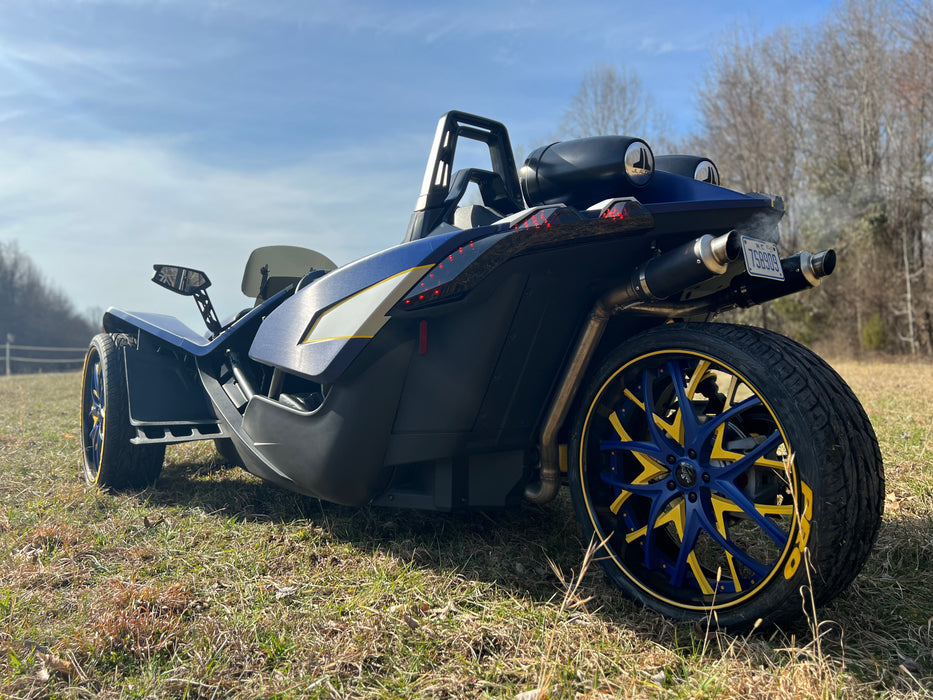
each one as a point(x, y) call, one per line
point(791, 535)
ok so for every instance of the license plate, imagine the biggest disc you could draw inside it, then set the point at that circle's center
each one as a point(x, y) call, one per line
point(762, 259)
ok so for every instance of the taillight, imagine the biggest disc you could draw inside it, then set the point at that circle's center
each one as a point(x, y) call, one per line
point(626, 209)
point(545, 217)
point(429, 288)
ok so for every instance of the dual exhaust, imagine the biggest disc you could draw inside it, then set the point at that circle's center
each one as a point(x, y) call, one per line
point(655, 281)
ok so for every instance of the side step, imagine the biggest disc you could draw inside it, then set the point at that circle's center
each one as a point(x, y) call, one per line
point(168, 434)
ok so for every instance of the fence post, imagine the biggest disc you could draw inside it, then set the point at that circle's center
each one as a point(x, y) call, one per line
point(9, 340)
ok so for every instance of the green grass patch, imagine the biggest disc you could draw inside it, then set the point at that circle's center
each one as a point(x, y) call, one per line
point(215, 584)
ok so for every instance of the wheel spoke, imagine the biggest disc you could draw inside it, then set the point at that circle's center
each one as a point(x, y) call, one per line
point(641, 450)
point(647, 454)
point(727, 415)
point(651, 469)
point(750, 510)
point(685, 421)
point(669, 428)
point(720, 534)
point(654, 520)
point(686, 557)
point(743, 462)
point(675, 516)
point(648, 401)
point(721, 506)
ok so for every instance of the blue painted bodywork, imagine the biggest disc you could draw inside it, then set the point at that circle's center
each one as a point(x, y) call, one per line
point(278, 341)
point(176, 333)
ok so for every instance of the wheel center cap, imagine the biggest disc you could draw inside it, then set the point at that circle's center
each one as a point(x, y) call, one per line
point(686, 474)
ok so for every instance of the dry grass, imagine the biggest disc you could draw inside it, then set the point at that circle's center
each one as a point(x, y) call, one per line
point(213, 584)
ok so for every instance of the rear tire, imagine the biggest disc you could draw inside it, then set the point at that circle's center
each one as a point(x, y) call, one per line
point(704, 511)
point(109, 459)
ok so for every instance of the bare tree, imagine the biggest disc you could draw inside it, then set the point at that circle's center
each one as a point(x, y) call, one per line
point(839, 120)
point(846, 67)
point(612, 100)
point(750, 105)
point(911, 166)
point(750, 102)
point(31, 310)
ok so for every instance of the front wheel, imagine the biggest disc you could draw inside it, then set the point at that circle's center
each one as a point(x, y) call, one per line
point(109, 459)
point(728, 469)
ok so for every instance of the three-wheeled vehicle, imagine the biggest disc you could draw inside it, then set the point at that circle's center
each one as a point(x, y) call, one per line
point(556, 329)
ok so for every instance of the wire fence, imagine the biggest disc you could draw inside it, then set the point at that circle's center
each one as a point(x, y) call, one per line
point(36, 360)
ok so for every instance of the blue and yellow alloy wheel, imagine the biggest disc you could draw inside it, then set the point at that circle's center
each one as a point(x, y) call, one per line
point(695, 481)
point(703, 473)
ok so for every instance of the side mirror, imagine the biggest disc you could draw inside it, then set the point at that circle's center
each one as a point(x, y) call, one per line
point(190, 283)
point(181, 280)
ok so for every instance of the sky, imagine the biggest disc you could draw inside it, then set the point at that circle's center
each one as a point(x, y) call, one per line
point(189, 132)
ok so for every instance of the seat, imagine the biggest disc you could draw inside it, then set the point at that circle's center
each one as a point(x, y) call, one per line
point(271, 269)
point(496, 201)
point(474, 215)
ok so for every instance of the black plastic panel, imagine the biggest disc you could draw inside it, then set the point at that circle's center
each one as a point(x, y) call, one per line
point(336, 452)
point(445, 386)
point(162, 391)
point(492, 480)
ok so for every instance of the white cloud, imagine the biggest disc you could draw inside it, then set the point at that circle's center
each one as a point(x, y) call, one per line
point(95, 216)
point(59, 57)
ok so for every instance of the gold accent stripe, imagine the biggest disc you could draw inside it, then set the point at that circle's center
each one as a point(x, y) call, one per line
point(307, 336)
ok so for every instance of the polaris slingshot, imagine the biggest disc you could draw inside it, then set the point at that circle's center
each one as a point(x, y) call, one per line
point(557, 332)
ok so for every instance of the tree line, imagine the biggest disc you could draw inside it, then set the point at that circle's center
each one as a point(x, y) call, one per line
point(837, 119)
point(33, 313)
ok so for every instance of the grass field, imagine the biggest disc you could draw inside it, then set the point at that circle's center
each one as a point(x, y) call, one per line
point(214, 584)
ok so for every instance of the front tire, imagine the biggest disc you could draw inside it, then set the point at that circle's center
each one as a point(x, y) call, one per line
point(717, 461)
point(109, 459)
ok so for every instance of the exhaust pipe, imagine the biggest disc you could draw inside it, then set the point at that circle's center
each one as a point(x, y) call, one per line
point(659, 278)
point(246, 386)
point(801, 271)
point(674, 271)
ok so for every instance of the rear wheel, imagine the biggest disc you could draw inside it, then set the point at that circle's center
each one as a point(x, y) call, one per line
point(109, 459)
point(716, 461)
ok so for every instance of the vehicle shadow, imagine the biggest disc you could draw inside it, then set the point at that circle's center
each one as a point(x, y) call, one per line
point(872, 628)
point(510, 547)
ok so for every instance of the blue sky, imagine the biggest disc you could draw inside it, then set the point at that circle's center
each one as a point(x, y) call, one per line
point(192, 131)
